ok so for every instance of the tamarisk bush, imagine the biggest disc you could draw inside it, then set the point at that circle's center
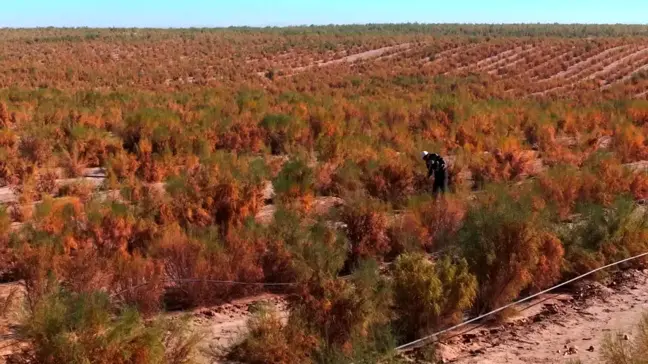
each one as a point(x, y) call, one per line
point(331, 319)
point(604, 234)
point(509, 247)
point(429, 295)
point(66, 327)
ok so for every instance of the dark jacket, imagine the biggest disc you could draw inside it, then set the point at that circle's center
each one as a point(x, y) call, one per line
point(435, 164)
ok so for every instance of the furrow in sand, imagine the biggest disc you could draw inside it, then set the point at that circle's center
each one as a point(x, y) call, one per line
point(615, 64)
point(627, 76)
point(514, 60)
point(545, 63)
point(574, 68)
point(352, 58)
point(486, 61)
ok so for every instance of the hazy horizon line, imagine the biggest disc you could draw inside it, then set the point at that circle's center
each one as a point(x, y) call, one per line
point(323, 25)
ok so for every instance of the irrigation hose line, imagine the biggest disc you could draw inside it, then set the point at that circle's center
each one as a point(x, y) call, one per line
point(426, 338)
point(261, 284)
point(482, 324)
point(423, 339)
point(205, 281)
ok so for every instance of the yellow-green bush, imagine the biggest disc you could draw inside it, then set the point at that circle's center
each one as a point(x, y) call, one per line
point(66, 327)
point(509, 247)
point(430, 294)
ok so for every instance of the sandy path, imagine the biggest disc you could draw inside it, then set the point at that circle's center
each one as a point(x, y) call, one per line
point(352, 58)
point(407, 50)
point(222, 326)
point(93, 176)
point(557, 330)
point(8, 319)
point(7, 195)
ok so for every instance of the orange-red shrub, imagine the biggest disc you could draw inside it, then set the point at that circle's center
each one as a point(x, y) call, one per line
point(211, 194)
point(431, 223)
point(138, 281)
point(390, 177)
point(639, 186)
point(562, 188)
point(366, 228)
point(192, 262)
point(630, 144)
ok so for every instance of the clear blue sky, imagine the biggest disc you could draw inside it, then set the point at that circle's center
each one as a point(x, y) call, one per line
point(216, 13)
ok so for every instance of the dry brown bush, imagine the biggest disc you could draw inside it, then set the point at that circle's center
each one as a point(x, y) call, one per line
point(191, 263)
point(271, 341)
point(138, 282)
point(432, 223)
point(366, 228)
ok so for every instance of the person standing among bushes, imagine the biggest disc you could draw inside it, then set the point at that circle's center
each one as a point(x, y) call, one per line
point(436, 166)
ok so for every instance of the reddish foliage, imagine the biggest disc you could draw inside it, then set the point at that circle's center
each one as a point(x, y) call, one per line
point(139, 282)
point(366, 226)
point(639, 186)
point(431, 223)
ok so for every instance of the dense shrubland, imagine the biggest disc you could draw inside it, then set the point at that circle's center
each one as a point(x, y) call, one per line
point(541, 191)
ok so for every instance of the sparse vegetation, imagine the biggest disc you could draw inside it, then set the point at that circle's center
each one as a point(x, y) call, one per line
point(618, 350)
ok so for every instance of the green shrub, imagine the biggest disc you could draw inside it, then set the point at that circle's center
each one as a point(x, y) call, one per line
point(346, 178)
point(269, 340)
point(84, 328)
point(295, 184)
point(509, 248)
point(276, 127)
point(430, 294)
point(350, 316)
point(331, 320)
point(320, 254)
point(601, 235)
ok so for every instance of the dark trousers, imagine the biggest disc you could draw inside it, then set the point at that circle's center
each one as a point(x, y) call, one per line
point(440, 182)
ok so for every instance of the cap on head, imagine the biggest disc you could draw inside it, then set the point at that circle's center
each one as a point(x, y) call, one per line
point(424, 154)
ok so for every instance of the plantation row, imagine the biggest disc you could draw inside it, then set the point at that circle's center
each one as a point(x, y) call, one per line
point(190, 60)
